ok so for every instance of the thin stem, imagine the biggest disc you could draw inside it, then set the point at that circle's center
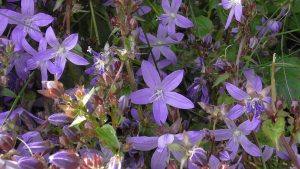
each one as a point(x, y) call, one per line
point(130, 73)
point(14, 105)
point(115, 79)
point(290, 151)
point(94, 22)
point(68, 16)
point(237, 62)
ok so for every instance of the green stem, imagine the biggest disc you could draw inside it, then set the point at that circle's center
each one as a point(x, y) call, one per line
point(94, 22)
point(14, 105)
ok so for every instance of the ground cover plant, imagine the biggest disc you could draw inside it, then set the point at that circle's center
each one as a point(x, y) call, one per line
point(92, 84)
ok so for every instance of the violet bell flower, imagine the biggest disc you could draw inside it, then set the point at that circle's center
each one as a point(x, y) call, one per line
point(61, 52)
point(160, 92)
point(255, 101)
point(237, 136)
point(30, 22)
point(171, 18)
point(236, 9)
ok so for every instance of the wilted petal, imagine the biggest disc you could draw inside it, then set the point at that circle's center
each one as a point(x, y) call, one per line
point(173, 80)
point(183, 22)
point(71, 41)
point(235, 92)
point(222, 134)
point(143, 143)
point(159, 159)
point(76, 59)
point(51, 38)
point(160, 112)
point(177, 100)
point(249, 147)
point(42, 19)
point(236, 111)
point(27, 7)
point(65, 159)
point(150, 74)
point(142, 96)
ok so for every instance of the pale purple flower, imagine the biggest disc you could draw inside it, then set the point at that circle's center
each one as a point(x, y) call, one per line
point(160, 92)
point(61, 52)
point(255, 100)
point(30, 22)
point(271, 26)
point(34, 63)
point(65, 159)
point(162, 153)
point(236, 9)
point(3, 21)
point(161, 43)
point(237, 136)
point(171, 18)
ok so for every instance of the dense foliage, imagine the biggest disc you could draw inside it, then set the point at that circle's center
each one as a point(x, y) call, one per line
point(94, 84)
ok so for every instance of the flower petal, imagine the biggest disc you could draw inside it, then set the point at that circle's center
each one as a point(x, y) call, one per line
point(183, 22)
point(235, 92)
point(27, 7)
point(71, 41)
point(150, 74)
point(236, 111)
point(160, 112)
point(165, 5)
point(76, 59)
point(159, 159)
point(142, 96)
point(165, 140)
point(51, 37)
point(168, 53)
point(177, 100)
point(42, 19)
point(173, 80)
point(229, 19)
point(176, 5)
point(233, 146)
point(249, 147)
point(222, 134)
point(253, 79)
point(238, 12)
point(143, 143)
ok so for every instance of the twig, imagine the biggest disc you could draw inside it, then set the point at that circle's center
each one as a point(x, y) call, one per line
point(67, 16)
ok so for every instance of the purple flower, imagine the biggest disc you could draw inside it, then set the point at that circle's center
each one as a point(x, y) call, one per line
point(65, 159)
point(61, 52)
point(60, 119)
point(161, 155)
point(171, 18)
point(237, 136)
point(160, 92)
point(30, 163)
point(198, 86)
point(272, 25)
point(236, 9)
point(254, 101)
point(160, 43)
point(3, 21)
point(43, 65)
point(30, 23)
point(160, 65)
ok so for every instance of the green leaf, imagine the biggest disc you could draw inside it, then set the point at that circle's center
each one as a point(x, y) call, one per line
point(7, 92)
point(126, 90)
point(203, 25)
point(221, 78)
point(108, 137)
point(270, 132)
point(87, 97)
point(78, 120)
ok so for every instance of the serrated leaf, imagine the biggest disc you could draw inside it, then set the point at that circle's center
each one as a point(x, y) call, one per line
point(270, 132)
point(203, 25)
point(78, 120)
point(108, 137)
point(221, 78)
point(7, 92)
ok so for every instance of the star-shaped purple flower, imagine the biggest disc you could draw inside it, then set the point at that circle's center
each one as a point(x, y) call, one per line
point(171, 17)
point(237, 136)
point(160, 92)
point(61, 52)
point(236, 9)
point(30, 22)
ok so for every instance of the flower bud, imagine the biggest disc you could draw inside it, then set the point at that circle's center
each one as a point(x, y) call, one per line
point(59, 119)
point(30, 163)
point(295, 107)
point(70, 133)
point(66, 159)
point(6, 142)
point(198, 157)
point(133, 23)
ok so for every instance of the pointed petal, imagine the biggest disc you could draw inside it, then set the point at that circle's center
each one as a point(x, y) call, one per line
point(165, 5)
point(150, 74)
point(238, 12)
point(183, 22)
point(45, 55)
point(42, 45)
point(165, 140)
point(142, 96)
point(177, 100)
point(159, 159)
point(28, 48)
point(247, 126)
point(173, 80)
point(52, 68)
point(76, 59)
point(51, 37)
point(168, 53)
point(268, 152)
point(3, 24)
point(27, 7)
point(249, 147)
point(160, 112)
point(42, 19)
point(233, 146)
point(214, 162)
point(31, 64)
point(229, 19)
point(253, 79)
point(176, 5)
point(44, 73)
point(235, 92)
point(171, 27)
point(60, 63)
point(236, 111)
point(162, 31)
point(222, 134)
point(143, 143)
point(71, 41)
point(35, 33)
point(156, 53)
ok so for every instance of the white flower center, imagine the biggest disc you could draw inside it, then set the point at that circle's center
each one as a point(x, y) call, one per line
point(158, 94)
point(173, 15)
point(61, 50)
point(237, 133)
point(236, 2)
